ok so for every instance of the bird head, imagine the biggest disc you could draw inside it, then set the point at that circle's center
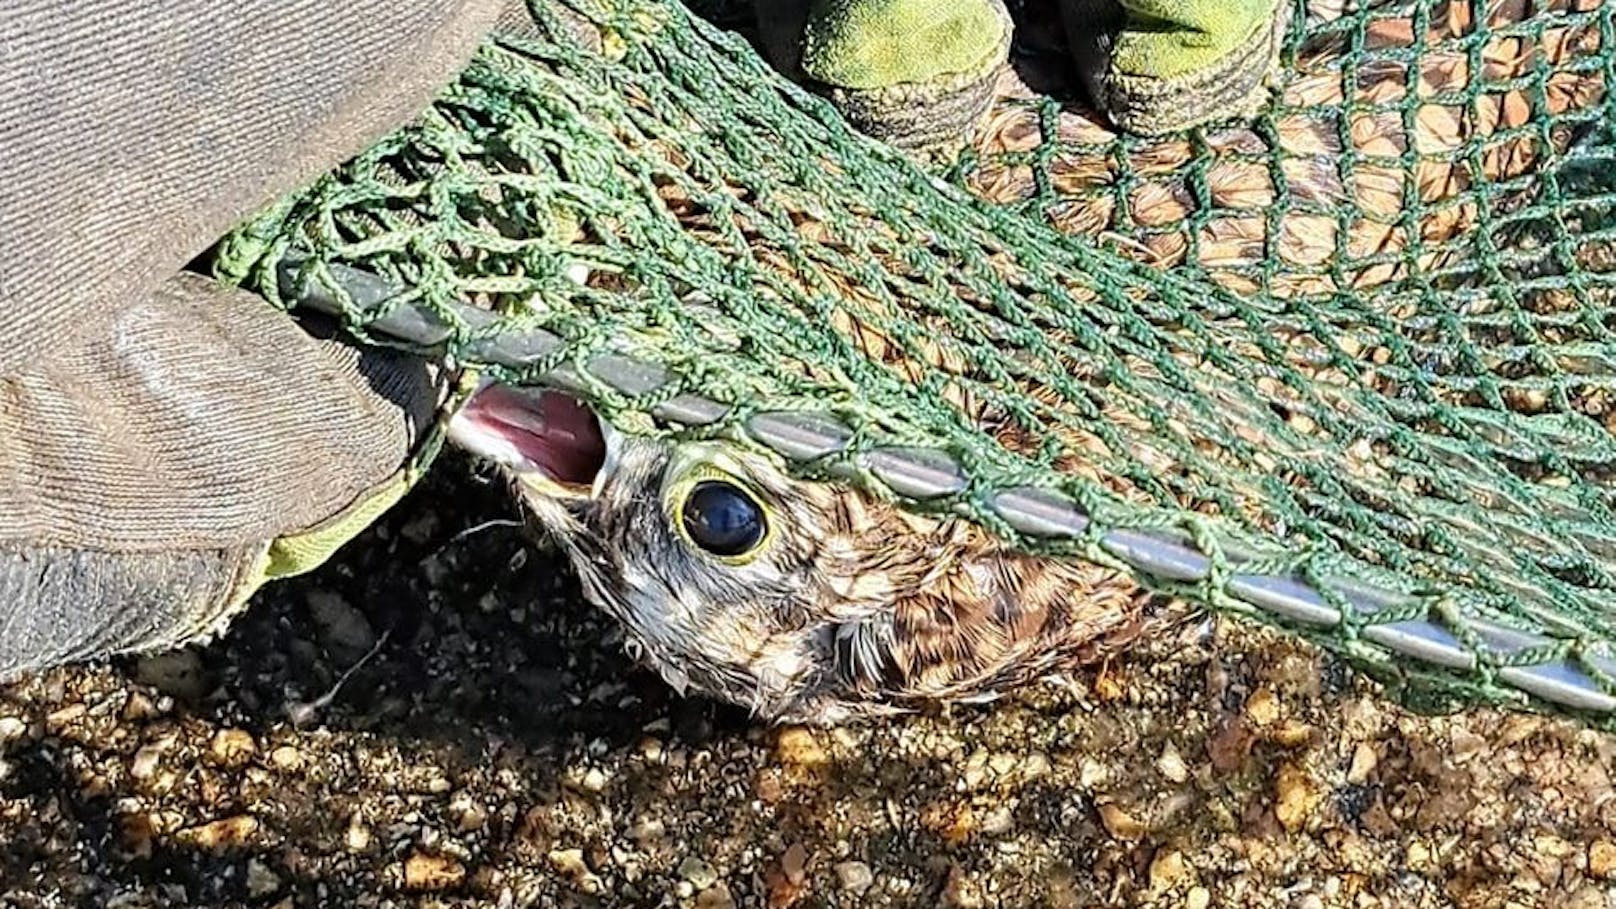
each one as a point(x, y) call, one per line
point(798, 600)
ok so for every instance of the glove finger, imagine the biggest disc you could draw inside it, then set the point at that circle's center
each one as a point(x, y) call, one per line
point(176, 454)
point(1158, 66)
point(138, 133)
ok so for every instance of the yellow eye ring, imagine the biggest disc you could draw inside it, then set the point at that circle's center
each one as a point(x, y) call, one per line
point(719, 517)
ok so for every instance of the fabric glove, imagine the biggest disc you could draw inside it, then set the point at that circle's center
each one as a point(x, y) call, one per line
point(917, 73)
point(1157, 66)
point(167, 443)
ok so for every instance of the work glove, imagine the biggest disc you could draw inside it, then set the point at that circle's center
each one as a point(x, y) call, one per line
point(1157, 66)
point(167, 444)
point(919, 74)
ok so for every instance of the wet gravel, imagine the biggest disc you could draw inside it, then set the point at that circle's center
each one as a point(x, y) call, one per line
point(435, 719)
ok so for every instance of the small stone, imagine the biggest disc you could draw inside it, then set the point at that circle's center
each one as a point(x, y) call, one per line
point(1003, 763)
point(648, 830)
point(594, 780)
point(216, 836)
point(999, 821)
point(716, 898)
point(261, 880)
point(1167, 870)
point(798, 746)
point(1230, 744)
point(1120, 823)
point(1263, 708)
point(139, 707)
point(700, 874)
point(1467, 745)
point(11, 729)
point(959, 892)
point(1295, 797)
point(176, 673)
point(1292, 734)
point(1171, 765)
point(1363, 764)
point(357, 836)
point(1198, 898)
point(651, 749)
point(1311, 901)
point(1602, 859)
point(59, 719)
point(231, 748)
point(472, 818)
point(144, 764)
point(341, 625)
point(428, 871)
point(1109, 685)
point(794, 864)
point(286, 758)
point(569, 862)
point(854, 877)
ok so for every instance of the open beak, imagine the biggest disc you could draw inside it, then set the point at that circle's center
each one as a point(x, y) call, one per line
point(553, 445)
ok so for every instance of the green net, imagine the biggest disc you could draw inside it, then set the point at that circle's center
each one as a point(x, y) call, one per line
point(1371, 402)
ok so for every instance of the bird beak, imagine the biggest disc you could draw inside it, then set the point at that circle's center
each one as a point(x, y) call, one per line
point(554, 446)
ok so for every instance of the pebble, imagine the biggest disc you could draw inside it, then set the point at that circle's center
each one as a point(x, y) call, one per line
point(261, 880)
point(59, 719)
point(357, 837)
point(1197, 898)
point(854, 877)
point(139, 707)
point(429, 871)
point(700, 874)
point(1295, 797)
point(998, 821)
point(231, 748)
point(177, 673)
point(1167, 870)
point(11, 728)
point(569, 861)
point(1363, 764)
point(144, 764)
point(472, 818)
point(718, 897)
point(798, 746)
point(594, 780)
point(1120, 823)
point(648, 830)
point(217, 836)
point(286, 758)
point(1263, 708)
point(341, 625)
point(651, 749)
point(794, 864)
point(1602, 859)
point(1171, 765)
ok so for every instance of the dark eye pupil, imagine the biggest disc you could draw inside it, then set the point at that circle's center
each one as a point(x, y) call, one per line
point(722, 519)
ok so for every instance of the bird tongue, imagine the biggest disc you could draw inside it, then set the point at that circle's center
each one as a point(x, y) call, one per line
point(533, 429)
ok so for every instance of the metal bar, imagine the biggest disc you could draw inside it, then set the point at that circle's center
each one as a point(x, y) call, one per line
point(925, 473)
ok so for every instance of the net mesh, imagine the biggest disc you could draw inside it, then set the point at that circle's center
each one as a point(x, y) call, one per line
point(1382, 360)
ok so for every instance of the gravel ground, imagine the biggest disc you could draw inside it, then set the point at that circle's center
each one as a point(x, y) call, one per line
point(437, 720)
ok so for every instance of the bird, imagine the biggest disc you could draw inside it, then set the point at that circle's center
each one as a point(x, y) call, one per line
point(800, 601)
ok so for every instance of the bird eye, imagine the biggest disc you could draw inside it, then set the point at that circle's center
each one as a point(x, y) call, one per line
point(722, 519)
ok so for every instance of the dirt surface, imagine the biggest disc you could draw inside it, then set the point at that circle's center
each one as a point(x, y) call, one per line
point(491, 747)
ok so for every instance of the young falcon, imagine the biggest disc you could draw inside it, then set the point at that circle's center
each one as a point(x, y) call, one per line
point(802, 601)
